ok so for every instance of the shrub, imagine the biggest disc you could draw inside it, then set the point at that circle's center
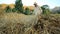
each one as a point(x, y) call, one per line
point(8, 9)
point(14, 10)
point(27, 11)
point(45, 9)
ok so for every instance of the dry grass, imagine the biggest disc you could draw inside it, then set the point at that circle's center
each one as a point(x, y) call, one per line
point(14, 23)
point(47, 24)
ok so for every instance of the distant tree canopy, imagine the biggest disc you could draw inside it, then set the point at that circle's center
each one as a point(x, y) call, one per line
point(27, 11)
point(45, 9)
point(8, 9)
point(19, 6)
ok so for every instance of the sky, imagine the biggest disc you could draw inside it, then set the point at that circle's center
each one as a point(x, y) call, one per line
point(51, 3)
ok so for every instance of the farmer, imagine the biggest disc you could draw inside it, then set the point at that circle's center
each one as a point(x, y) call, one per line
point(37, 10)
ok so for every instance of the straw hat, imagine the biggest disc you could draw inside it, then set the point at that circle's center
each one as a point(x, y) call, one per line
point(35, 3)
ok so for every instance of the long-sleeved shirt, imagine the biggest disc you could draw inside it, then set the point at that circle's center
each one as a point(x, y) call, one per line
point(37, 11)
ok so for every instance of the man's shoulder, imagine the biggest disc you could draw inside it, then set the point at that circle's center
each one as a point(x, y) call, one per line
point(39, 6)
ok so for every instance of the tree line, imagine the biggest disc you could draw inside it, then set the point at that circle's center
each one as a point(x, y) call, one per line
point(20, 9)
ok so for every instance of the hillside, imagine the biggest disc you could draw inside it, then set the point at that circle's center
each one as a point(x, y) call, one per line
point(12, 6)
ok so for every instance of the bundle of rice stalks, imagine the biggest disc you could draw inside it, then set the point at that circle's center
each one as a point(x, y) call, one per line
point(47, 24)
point(14, 23)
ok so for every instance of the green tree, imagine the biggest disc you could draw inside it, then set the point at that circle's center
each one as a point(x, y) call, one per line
point(14, 10)
point(45, 9)
point(19, 6)
point(8, 9)
point(27, 11)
